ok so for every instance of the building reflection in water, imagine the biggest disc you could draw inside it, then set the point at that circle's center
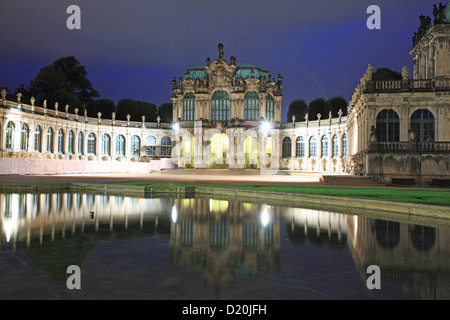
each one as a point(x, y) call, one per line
point(224, 241)
point(227, 241)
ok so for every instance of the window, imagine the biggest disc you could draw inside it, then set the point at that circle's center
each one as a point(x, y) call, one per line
point(286, 147)
point(189, 107)
point(344, 146)
point(91, 144)
point(135, 146)
point(150, 146)
point(300, 147)
point(24, 137)
point(220, 106)
point(313, 147)
point(120, 145)
point(422, 123)
point(166, 147)
point(38, 139)
point(324, 146)
point(50, 140)
point(106, 145)
point(251, 106)
point(269, 108)
point(60, 141)
point(388, 126)
point(80, 143)
point(335, 146)
point(70, 142)
point(9, 143)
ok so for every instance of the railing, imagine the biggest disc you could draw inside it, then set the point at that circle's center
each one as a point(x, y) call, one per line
point(442, 84)
point(410, 146)
point(80, 118)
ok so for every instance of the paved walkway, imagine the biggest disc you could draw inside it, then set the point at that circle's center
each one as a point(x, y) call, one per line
point(223, 177)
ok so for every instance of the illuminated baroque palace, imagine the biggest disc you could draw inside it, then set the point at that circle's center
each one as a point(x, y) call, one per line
point(227, 114)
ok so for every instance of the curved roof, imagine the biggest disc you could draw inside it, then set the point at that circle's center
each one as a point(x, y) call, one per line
point(447, 13)
point(242, 69)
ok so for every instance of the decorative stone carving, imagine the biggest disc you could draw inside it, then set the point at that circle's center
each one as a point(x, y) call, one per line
point(220, 47)
point(405, 73)
point(19, 95)
point(32, 100)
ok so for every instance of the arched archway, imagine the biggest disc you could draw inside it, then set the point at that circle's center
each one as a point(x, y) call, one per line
point(251, 152)
point(220, 145)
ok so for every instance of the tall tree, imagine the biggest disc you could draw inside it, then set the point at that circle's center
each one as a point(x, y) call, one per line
point(65, 73)
point(335, 103)
point(136, 109)
point(317, 106)
point(383, 74)
point(297, 108)
point(165, 112)
point(105, 106)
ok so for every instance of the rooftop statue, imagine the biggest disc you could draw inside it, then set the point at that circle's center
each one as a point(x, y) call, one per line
point(220, 46)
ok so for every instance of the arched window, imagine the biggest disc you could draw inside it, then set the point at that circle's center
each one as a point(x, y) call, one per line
point(91, 144)
point(80, 143)
point(189, 107)
point(150, 146)
point(220, 106)
point(325, 146)
point(60, 141)
point(300, 150)
point(423, 238)
point(251, 106)
point(313, 146)
point(135, 146)
point(24, 134)
point(120, 145)
point(50, 140)
point(286, 147)
point(38, 139)
point(166, 147)
point(388, 126)
point(344, 145)
point(335, 146)
point(70, 142)
point(106, 145)
point(422, 123)
point(269, 108)
point(9, 143)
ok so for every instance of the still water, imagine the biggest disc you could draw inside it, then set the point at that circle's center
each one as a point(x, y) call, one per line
point(196, 248)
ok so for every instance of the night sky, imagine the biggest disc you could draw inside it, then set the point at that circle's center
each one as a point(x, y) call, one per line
point(132, 49)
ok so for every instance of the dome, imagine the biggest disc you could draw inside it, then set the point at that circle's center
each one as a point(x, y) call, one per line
point(242, 69)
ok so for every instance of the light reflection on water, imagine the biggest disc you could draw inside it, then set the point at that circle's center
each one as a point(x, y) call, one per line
point(197, 248)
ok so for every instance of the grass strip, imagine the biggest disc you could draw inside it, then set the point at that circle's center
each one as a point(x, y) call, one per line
point(423, 196)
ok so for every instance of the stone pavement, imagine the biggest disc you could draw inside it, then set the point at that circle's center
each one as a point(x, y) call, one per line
point(222, 177)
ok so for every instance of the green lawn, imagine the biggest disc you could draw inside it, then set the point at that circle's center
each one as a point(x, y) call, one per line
point(424, 196)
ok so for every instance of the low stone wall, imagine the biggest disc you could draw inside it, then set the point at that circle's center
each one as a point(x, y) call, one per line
point(423, 167)
point(23, 166)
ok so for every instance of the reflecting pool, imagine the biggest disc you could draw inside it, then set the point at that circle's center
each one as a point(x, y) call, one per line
point(198, 248)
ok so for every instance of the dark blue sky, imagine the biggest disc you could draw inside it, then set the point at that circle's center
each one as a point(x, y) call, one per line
point(133, 48)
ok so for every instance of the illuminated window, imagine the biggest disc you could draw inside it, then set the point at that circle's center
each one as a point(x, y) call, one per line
point(286, 147)
point(50, 140)
point(150, 146)
point(135, 146)
point(324, 146)
point(9, 143)
point(189, 107)
point(91, 144)
point(80, 143)
point(269, 108)
point(106, 145)
point(251, 106)
point(313, 147)
point(24, 137)
point(38, 139)
point(300, 152)
point(166, 147)
point(388, 126)
point(220, 106)
point(335, 146)
point(70, 142)
point(60, 141)
point(120, 145)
